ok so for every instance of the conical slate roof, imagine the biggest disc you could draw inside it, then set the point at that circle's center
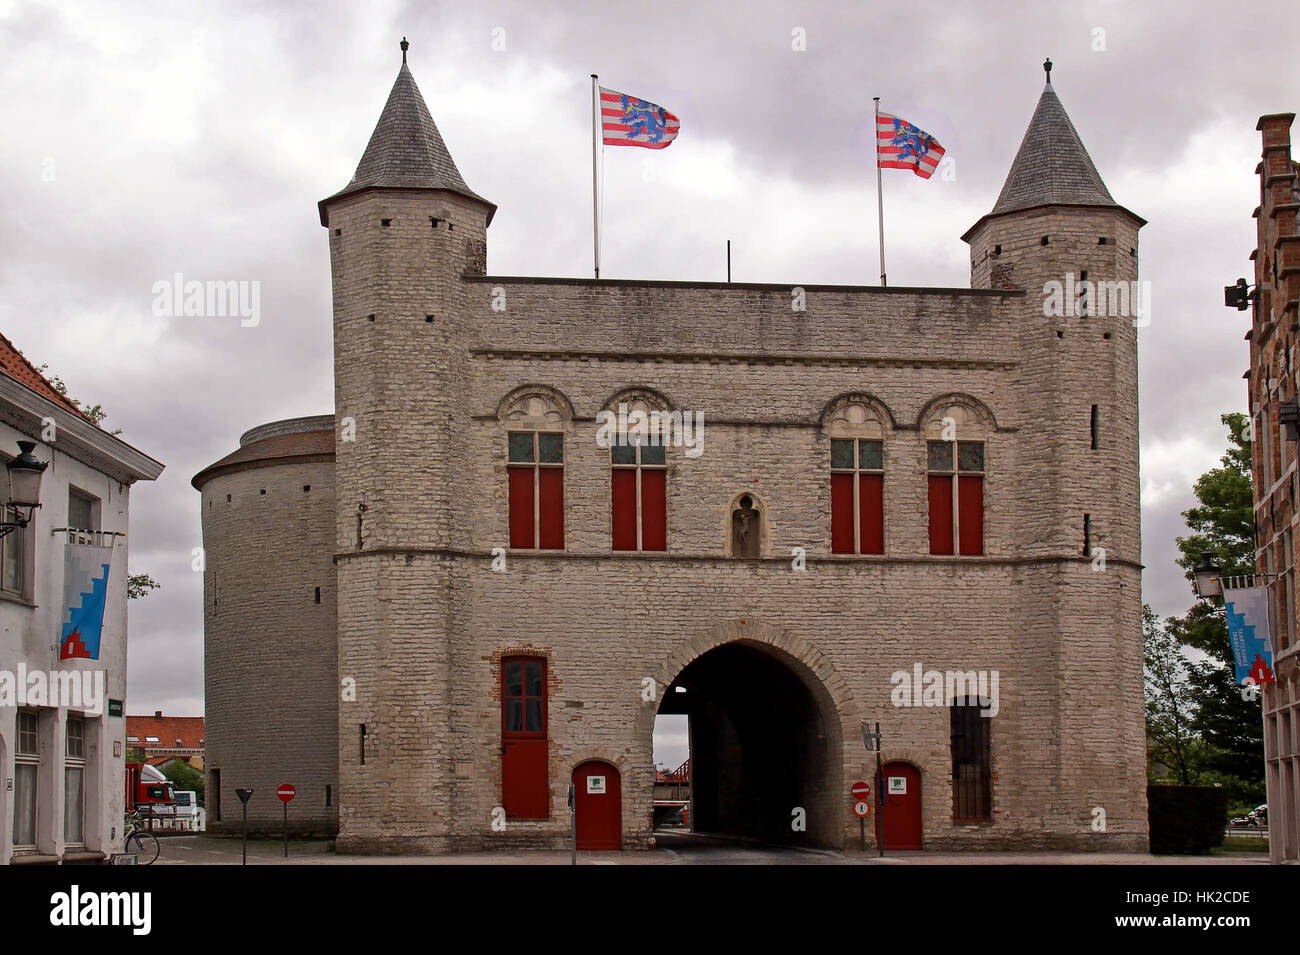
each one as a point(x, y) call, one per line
point(406, 150)
point(1052, 167)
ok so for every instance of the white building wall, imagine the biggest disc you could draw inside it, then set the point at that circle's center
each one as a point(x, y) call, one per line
point(29, 637)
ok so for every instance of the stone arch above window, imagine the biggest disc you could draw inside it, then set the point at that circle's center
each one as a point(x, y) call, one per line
point(535, 408)
point(638, 398)
point(856, 416)
point(970, 417)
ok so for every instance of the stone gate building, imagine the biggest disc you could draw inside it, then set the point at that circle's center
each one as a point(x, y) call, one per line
point(478, 601)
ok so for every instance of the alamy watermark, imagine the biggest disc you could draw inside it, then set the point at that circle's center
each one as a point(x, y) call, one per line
point(920, 687)
point(176, 298)
point(1081, 297)
point(684, 429)
point(71, 689)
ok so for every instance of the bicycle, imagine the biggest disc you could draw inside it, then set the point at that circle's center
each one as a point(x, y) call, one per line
point(142, 842)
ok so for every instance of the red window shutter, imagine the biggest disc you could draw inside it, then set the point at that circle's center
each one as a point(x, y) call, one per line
point(970, 501)
point(654, 510)
point(623, 485)
point(551, 510)
point(841, 513)
point(940, 514)
point(524, 792)
point(871, 512)
point(521, 507)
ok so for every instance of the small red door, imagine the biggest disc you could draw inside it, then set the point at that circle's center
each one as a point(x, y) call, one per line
point(599, 801)
point(900, 818)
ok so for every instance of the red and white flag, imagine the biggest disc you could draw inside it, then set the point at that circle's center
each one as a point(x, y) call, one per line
point(628, 121)
point(900, 145)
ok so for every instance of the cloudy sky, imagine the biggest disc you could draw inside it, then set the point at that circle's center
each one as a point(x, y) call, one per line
point(148, 139)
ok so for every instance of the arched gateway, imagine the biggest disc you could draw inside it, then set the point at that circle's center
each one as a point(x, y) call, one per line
point(768, 716)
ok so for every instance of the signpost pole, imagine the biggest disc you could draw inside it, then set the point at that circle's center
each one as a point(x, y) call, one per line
point(244, 795)
point(880, 812)
point(573, 826)
point(862, 834)
point(286, 792)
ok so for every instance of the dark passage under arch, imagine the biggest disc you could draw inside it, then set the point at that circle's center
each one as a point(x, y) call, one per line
point(759, 747)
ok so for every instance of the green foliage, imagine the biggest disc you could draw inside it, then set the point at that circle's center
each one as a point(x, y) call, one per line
point(185, 776)
point(1228, 726)
point(1175, 752)
point(134, 755)
point(139, 585)
point(95, 413)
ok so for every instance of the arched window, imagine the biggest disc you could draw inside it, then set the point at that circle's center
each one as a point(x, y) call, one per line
point(857, 436)
point(535, 426)
point(955, 462)
point(638, 473)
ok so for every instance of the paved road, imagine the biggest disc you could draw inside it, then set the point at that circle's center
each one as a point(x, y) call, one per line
point(675, 850)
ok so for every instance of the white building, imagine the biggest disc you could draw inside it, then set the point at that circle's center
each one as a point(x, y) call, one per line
point(61, 720)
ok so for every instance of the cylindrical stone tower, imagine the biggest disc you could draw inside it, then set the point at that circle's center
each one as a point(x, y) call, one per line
point(271, 628)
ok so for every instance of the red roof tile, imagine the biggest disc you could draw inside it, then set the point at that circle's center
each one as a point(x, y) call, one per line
point(188, 729)
point(13, 364)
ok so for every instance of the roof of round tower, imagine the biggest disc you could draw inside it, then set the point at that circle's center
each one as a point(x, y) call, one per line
point(406, 151)
point(1052, 167)
point(293, 440)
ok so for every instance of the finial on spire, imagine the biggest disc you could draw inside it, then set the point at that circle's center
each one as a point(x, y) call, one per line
point(405, 46)
point(1047, 68)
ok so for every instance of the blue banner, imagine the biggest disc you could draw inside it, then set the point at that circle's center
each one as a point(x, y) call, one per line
point(1248, 629)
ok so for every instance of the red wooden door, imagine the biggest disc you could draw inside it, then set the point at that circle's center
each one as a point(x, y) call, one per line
point(524, 792)
point(599, 801)
point(900, 819)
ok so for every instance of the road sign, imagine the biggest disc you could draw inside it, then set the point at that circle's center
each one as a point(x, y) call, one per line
point(860, 790)
point(286, 792)
point(862, 808)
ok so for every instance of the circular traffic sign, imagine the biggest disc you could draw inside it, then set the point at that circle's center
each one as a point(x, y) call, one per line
point(860, 790)
point(286, 792)
point(862, 808)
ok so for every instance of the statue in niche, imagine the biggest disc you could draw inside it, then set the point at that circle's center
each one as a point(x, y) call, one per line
point(745, 526)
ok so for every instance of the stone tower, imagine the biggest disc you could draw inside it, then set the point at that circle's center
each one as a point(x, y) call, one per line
point(401, 234)
point(1056, 232)
point(269, 627)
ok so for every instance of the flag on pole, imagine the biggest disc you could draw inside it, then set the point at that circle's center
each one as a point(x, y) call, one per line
point(85, 588)
point(628, 121)
point(900, 145)
point(1249, 633)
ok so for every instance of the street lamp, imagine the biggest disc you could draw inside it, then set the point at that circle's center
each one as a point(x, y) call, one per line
point(1207, 574)
point(25, 473)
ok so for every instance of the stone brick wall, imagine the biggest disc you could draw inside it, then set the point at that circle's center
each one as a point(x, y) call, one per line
point(270, 650)
point(430, 384)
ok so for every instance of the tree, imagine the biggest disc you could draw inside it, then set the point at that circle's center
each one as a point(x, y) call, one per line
point(1173, 744)
point(1223, 524)
point(95, 413)
point(185, 777)
point(139, 585)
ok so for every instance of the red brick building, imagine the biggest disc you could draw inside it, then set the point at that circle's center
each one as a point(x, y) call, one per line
point(163, 737)
point(1274, 386)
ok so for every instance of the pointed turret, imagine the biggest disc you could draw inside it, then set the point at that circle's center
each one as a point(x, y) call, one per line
point(406, 151)
point(1052, 167)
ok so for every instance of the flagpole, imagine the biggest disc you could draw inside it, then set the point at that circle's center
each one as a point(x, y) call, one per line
point(595, 148)
point(880, 199)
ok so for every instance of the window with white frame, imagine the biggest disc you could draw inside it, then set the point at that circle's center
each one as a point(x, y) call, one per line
point(27, 764)
point(74, 783)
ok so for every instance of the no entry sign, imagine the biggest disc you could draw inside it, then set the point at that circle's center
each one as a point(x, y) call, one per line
point(286, 792)
point(860, 790)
